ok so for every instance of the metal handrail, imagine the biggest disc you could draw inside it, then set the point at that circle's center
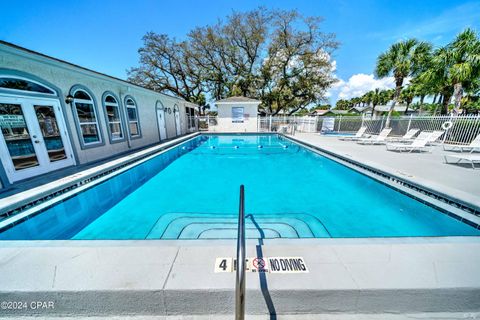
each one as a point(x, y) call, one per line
point(240, 280)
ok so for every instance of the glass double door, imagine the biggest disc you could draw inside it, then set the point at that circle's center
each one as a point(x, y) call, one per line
point(34, 139)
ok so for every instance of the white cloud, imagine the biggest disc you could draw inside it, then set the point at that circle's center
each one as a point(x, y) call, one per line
point(359, 84)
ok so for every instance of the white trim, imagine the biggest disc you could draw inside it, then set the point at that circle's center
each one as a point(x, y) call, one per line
point(37, 57)
point(136, 121)
point(27, 104)
point(115, 105)
point(18, 91)
point(80, 123)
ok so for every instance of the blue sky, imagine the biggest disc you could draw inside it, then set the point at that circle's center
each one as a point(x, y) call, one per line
point(104, 35)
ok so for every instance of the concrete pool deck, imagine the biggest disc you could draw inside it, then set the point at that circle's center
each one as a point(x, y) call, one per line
point(418, 316)
point(371, 276)
point(427, 169)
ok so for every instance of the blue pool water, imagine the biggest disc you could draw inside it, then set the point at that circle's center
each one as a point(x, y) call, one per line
point(191, 192)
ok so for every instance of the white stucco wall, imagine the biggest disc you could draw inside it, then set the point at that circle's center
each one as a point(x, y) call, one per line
point(64, 76)
point(225, 123)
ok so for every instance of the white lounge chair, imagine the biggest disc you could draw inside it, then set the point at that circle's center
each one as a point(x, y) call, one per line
point(473, 146)
point(380, 139)
point(419, 144)
point(471, 158)
point(435, 136)
point(359, 135)
point(407, 137)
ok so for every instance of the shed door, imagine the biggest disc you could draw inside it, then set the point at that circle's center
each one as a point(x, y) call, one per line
point(178, 127)
point(162, 130)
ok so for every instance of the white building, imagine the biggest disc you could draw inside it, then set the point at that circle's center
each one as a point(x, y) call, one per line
point(54, 114)
point(237, 114)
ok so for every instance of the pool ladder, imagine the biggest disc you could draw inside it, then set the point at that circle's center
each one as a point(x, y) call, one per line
point(240, 276)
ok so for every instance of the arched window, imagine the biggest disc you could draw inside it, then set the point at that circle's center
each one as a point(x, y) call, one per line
point(114, 119)
point(19, 84)
point(132, 114)
point(87, 118)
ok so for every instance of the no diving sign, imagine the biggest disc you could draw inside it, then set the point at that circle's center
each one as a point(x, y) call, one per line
point(287, 265)
point(263, 264)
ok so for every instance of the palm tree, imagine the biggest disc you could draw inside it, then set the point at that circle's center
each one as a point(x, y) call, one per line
point(438, 75)
point(376, 98)
point(367, 98)
point(343, 104)
point(407, 95)
point(403, 59)
point(420, 90)
point(471, 98)
point(356, 101)
point(386, 96)
point(465, 62)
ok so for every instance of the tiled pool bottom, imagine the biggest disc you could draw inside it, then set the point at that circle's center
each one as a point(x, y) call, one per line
point(191, 192)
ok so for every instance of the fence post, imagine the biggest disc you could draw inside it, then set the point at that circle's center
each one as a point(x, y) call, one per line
point(270, 124)
point(409, 122)
point(363, 118)
point(446, 131)
point(383, 121)
point(339, 123)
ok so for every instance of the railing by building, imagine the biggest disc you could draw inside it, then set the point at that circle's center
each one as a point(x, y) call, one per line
point(207, 123)
point(192, 123)
point(274, 124)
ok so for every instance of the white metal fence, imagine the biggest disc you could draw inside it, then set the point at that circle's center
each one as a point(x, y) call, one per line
point(191, 123)
point(207, 123)
point(463, 129)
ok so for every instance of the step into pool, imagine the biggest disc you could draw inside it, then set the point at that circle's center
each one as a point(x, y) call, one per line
point(191, 192)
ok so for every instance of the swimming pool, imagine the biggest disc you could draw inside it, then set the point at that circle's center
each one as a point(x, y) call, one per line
point(191, 192)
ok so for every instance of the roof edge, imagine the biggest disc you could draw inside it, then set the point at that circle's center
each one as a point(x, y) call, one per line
point(17, 47)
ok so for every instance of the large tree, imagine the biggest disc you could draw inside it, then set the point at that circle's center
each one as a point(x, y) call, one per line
point(403, 59)
point(297, 70)
point(169, 66)
point(279, 57)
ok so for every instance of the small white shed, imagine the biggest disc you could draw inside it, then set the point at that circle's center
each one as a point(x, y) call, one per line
point(237, 114)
